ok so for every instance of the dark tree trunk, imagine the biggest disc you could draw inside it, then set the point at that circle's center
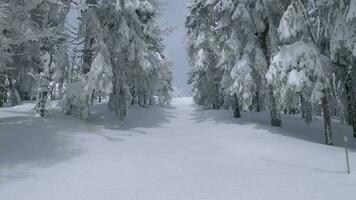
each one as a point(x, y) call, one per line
point(100, 96)
point(350, 108)
point(53, 93)
point(308, 112)
point(258, 106)
point(133, 94)
point(307, 109)
point(353, 89)
point(327, 119)
point(2, 89)
point(302, 106)
point(88, 46)
point(275, 113)
point(236, 106)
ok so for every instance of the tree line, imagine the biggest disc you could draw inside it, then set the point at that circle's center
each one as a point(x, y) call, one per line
point(111, 48)
point(291, 56)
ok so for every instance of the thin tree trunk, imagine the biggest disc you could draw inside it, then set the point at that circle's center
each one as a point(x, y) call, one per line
point(327, 119)
point(275, 113)
point(307, 109)
point(236, 106)
point(2, 89)
point(350, 108)
point(308, 112)
point(100, 96)
point(258, 106)
point(353, 89)
point(302, 106)
point(122, 104)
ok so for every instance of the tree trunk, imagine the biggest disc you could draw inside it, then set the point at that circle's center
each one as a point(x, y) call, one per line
point(2, 89)
point(88, 46)
point(118, 98)
point(307, 109)
point(327, 119)
point(92, 97)
point(53, 93)
point(42, 101)
point(236, 106)
point(258, 106)
point(44, 86)
point(275, 113)
point(302, 106)
point(118, 102)
point(308, 112)
point(353, 89)
point(60, 90)
point(14, 94)
point(122, 104)
point(350, 108)
point(99, 96)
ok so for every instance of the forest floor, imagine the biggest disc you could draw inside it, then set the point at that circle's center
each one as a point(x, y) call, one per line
point(173, 153)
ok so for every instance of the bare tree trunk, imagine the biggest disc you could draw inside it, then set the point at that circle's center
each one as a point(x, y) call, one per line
point(275, 113)
point(236, 106)
point(327, 119)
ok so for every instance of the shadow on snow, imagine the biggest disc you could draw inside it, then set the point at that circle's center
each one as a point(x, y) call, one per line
point(292, 125)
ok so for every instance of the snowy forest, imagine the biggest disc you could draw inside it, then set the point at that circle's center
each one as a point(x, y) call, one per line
point(177, 99)
point(113, 50)
point(292, 56)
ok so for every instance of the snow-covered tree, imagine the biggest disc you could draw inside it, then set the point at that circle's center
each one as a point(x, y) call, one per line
point(205, 76)
point(5, 57)
point(122, 57)
point(33, 35)
point(236, 47)
point(238, 39)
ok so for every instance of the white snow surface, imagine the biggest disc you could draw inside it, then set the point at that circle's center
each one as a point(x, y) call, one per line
point(173, 153)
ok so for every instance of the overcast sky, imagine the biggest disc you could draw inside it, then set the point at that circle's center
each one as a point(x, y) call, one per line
point(174, 15)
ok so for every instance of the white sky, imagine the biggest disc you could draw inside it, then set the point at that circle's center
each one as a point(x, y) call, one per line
point(174, 15)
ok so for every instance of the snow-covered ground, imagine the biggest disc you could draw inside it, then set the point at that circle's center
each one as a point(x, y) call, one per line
point(174, 153)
